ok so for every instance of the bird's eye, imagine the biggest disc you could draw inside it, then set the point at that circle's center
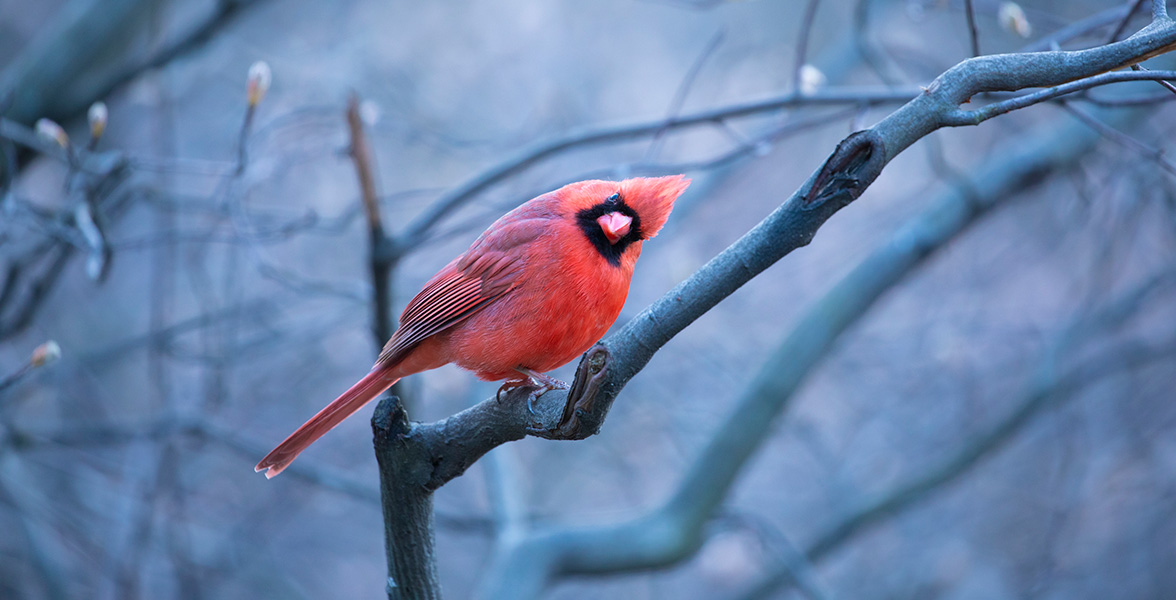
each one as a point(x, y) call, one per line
point(613, 199)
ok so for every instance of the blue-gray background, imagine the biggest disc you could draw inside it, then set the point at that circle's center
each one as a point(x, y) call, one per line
point(240, 303)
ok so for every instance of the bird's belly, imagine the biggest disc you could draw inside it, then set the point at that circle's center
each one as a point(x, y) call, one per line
point(539, 329)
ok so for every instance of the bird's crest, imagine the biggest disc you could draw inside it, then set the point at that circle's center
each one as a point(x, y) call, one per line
point(653, 199)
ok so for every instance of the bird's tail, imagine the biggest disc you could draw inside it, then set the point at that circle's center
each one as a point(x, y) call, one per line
point(342, 407)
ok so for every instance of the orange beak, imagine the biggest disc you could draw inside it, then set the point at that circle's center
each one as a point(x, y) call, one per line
point(615, 226)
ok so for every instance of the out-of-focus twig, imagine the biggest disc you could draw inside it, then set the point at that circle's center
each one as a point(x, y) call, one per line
point(1049, 387)
point(380, 262)
point(44, 562)
point(802, 42)
point(420, 228)
point(86, 52)
point(256, 85)
point(1127, 141)
point(973, 34)
point(1118, 30)
point(683, 90)
point(42, 355)
point(672, 532)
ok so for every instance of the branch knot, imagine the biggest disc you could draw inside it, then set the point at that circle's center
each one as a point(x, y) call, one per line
point(847, 172)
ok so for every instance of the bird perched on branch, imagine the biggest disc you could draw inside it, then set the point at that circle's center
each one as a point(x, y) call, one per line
point(534, 291)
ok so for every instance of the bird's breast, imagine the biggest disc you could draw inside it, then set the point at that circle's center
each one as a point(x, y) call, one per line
point(564, 302)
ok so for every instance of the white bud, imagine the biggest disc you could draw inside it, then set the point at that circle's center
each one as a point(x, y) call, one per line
point(730, 558)
point(811, 79)
point(1012, 18)
point(53, 132)
point(259, 82)
point(369, 113)
point(97, 117)
point(46, 353)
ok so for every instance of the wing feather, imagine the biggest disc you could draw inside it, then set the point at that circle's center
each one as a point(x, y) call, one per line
point(489, 270)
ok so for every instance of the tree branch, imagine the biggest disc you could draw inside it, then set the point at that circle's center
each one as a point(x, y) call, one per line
point(84, 53)
point(380, 265)
point(802, 42)
point(1047, 389)
point(1114, 37)
point(420, 228)
point(714, 471)
point(973, 34)
point(425, 456)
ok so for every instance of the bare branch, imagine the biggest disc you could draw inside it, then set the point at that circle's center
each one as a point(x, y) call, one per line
point(361, 155)
point(42, 355)
point(420, 228)
point(418, 458)
point(1127, 141)
point(51, 573)
point(1048, 389)
point(960, 118)
point(1166, 85)
point(973, 34)
point(1114, 37)
point(381, 262)
point(802, 41)
point(1079, 28)
point(679, 521)
point(408, 513)
point(683, 89)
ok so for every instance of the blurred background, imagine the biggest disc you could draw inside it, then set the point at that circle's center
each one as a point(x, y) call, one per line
point(207, 281)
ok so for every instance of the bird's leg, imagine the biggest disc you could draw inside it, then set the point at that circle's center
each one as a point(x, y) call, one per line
point(509, 385)
point(543, 383)
point(542, 380)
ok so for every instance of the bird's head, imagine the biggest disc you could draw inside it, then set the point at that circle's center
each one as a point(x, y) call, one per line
point(615, 215)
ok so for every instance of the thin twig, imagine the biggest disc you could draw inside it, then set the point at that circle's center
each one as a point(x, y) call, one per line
point(361, 156)
point(973, 34)
point(683, 90)
point(802, 42)
point(420, 228)
point(1118, 137)
point(961, 117)
point(1047, 389)
point(380, 266)
point(1167, 85)
point(1118, 30)
point(243, 139)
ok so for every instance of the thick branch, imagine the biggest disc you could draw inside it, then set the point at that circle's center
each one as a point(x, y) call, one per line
point(448, 447)
point(958, 118)
point(408, 507)
point(569, 550)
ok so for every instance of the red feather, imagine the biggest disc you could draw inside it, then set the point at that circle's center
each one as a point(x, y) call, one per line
point(535, 290)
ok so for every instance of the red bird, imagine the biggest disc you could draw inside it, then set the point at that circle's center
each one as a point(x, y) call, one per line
point(534, 291)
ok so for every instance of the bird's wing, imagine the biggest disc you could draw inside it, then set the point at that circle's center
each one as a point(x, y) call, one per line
point(489, 270)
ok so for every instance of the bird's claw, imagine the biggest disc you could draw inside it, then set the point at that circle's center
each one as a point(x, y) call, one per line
point(540, 381)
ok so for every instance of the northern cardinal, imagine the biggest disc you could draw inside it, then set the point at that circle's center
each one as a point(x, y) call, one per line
point(534, 291)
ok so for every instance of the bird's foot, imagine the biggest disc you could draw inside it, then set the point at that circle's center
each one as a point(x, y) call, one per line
point(542, 383)
point(509, 386)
